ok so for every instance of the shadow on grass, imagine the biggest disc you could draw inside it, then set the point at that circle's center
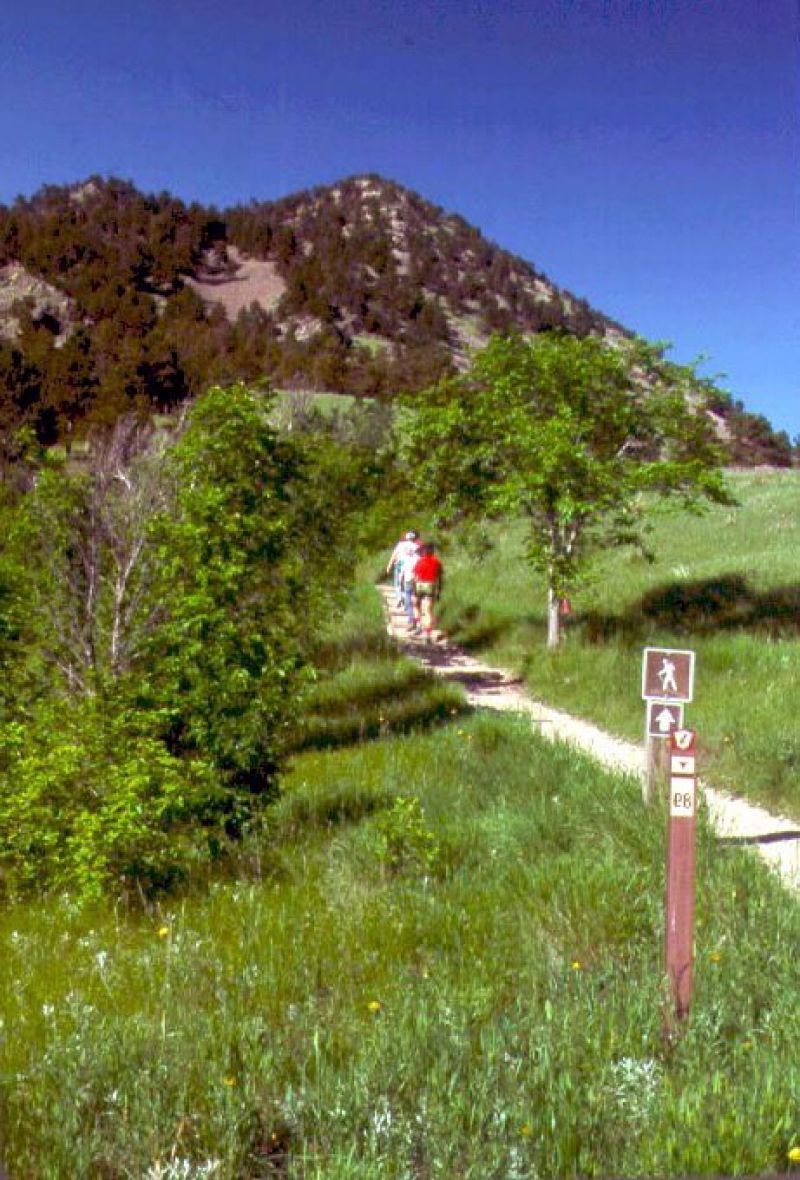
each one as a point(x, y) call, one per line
point(335, 653)
point(393, 682)
point(337, 804)
point(728, 603)
point(473, 630)
point(432, 705)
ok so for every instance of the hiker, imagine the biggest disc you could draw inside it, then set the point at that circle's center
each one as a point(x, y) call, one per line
point(410, 557)
point(428, 577)
point(405, 547)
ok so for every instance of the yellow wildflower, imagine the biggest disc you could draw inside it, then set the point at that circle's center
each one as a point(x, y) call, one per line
point(794, 1155)
point(374, 1006)
point(715, 957)
point(229, 1081)
point(576, 965)
point(163, 931)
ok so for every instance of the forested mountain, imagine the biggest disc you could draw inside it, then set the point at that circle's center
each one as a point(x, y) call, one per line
point(112, 300)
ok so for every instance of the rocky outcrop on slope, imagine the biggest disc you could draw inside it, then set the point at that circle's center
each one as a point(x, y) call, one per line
point(22, 294)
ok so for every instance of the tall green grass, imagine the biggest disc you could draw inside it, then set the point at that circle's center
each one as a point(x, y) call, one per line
point(441, 957)
point(362, 688)
point(447, 965)
point(726, 584)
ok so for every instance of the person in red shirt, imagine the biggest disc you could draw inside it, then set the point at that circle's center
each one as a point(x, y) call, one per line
point(428, 577)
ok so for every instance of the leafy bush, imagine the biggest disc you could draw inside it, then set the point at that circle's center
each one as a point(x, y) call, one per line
point(93, 801)
point(404, 841)
point(167, 596)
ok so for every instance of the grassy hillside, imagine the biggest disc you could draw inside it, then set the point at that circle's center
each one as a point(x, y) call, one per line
point(726, 584)
point(450, 966)
point(442, 958)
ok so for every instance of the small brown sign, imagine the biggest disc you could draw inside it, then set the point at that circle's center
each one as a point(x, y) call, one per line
point(663, 717)
point(684, 742)
point(667, 675)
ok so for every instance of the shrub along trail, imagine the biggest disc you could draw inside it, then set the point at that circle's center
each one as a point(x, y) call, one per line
point(776, 839)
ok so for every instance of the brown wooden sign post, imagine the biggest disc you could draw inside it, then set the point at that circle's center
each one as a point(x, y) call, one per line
point(667, 682)
point(680, 892)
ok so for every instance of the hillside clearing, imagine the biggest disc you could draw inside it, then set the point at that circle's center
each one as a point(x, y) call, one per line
point(250, 280)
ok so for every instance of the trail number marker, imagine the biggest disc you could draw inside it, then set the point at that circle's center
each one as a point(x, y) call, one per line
point(682, 796)
point(667, 675)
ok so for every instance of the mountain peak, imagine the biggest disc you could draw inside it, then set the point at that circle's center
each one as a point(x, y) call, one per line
point(361, 286)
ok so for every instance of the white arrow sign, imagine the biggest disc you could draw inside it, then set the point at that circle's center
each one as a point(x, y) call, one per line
point(663, 717)
point(665, 721)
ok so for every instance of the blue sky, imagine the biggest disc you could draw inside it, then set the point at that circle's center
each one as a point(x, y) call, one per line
point(643, 154)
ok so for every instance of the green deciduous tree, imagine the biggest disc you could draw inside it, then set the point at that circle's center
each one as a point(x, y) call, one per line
point(158, 604)
point(221, 662)
point(568, 433)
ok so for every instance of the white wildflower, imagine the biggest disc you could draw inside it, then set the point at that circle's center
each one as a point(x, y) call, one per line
point(381, 1117)
point(635, 1085)
point(179, 1168)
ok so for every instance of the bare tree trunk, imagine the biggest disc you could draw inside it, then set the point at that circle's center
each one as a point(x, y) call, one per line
point(98, 544)
point(553, 619)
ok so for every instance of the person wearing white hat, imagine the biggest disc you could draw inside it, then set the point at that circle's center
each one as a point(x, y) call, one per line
point(401, 564)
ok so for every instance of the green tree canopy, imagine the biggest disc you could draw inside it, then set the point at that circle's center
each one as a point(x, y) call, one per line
point(159, 603)
point(568, 433)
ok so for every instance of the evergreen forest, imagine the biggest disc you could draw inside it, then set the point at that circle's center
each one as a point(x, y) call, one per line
point(116, 302)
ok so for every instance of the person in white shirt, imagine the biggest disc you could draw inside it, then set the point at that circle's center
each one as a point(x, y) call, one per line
point(401, 564)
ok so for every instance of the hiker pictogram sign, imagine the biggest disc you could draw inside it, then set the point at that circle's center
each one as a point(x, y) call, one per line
point(663, 717)
point(667, 675)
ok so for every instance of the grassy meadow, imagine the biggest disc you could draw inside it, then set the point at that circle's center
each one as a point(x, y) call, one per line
point(726, 584)
point(364, 690)
point(441, 958)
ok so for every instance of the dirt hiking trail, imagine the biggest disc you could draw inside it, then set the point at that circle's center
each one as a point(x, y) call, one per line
point(775, 838)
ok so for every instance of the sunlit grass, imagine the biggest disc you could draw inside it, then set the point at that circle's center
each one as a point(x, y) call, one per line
point(363, 689)
point(725, 584)
point(441, 957)
point(489, 1004)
